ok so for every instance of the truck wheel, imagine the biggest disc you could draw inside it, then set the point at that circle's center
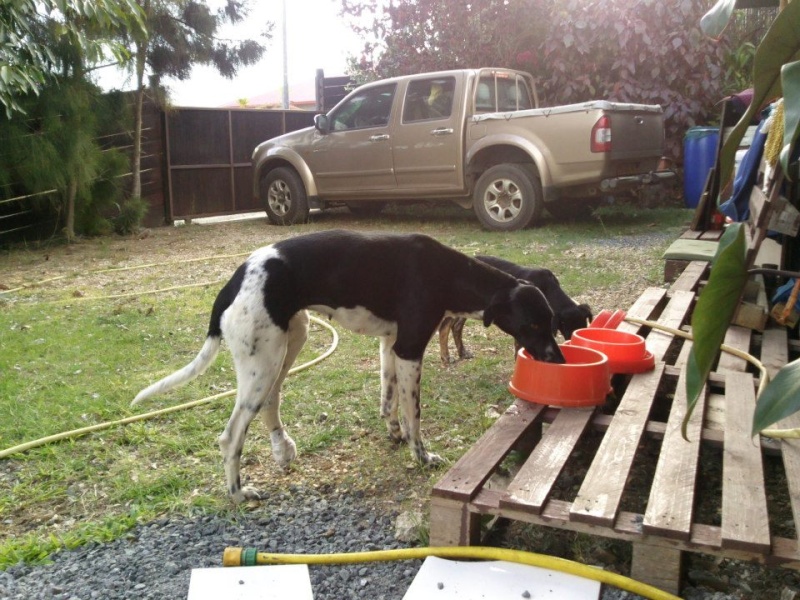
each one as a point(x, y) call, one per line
point(284, 197)
point(507, 198)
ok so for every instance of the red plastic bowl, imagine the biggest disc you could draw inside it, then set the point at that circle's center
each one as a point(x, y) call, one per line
point(626, 352)
point(582, 381)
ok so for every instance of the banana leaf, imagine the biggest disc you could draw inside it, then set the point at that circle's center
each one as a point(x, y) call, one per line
point(780, 45)
point(790, 80)
point(714, 310)
point(780, 398)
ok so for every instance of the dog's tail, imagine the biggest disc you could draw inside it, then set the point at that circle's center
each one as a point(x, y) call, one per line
point(191, 371)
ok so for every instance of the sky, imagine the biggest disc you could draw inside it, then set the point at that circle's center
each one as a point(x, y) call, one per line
point(317, 38)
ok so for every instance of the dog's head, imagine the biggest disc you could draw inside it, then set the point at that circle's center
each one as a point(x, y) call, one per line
point(572, 318)
point(523, 313)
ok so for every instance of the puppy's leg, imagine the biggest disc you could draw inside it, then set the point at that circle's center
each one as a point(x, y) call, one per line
point(389, 389)
point(284, 450)
point(408, 377)
point(444, 333)
point(458, 338)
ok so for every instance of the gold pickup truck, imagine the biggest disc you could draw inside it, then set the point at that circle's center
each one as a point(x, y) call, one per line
point(476, 137)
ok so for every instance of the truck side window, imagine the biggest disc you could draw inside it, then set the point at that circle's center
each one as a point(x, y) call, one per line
point(485, 96)
point(371, 108)
point(428, 99)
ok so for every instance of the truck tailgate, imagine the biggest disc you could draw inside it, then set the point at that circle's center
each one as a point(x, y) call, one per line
point(635, 133)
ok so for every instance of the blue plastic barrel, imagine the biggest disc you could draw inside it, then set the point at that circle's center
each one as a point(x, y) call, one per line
point(699, 156)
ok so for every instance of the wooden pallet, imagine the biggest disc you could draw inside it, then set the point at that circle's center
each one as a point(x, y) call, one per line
point(646, 417)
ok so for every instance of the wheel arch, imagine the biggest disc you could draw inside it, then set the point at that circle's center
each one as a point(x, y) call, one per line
point(494, 151)
point(269, 159)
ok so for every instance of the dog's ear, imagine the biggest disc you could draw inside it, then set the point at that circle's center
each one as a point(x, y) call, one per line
point(498, 305)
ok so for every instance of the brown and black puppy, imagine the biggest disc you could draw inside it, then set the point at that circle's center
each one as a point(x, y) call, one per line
point(395, 287)
point(568, 314)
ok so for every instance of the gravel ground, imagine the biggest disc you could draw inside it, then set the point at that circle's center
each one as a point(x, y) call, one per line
point(155, 560)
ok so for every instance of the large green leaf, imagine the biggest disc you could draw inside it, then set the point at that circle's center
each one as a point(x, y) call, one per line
point(780, 399)
point(780, 45)
point(716, 20)
point(714, 310)
point(790, 80)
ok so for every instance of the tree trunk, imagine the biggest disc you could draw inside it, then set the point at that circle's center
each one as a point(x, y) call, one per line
point(69, 225)
point(136, 168)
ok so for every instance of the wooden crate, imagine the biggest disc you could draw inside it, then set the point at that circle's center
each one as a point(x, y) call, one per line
point(649, 413)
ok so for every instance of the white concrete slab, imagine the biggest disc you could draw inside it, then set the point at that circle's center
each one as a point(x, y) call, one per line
point(268, 582)
point(442, 579)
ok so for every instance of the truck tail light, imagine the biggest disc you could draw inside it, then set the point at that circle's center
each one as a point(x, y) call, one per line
point(601, 135)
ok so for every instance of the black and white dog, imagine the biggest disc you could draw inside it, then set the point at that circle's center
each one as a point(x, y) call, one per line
point(568, 314)
point(395, 287)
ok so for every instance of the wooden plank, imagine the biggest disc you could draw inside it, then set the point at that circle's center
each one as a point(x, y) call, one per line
point(472, 470)
point(690, 279)
point(646, 306)
point(774, 355)
point(657, 566)
point(736, 337)
point(705, 538)
point(452, 524)
point(674, 315)
point(745, 522)
point(532, 486)
point(599, 496)
point(671, 501)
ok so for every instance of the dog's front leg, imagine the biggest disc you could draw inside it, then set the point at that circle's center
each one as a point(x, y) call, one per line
point(389, 389)
point(409, 373)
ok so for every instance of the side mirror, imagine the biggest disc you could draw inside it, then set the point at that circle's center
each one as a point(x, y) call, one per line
point(322, 124)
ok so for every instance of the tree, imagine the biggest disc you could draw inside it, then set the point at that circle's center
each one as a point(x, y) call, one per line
point(181, 34)
point(644, 51)
point(407, 36)
point(26, 60)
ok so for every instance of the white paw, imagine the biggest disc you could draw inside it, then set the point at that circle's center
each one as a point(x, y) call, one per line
point(284, 450)
point(246, 494)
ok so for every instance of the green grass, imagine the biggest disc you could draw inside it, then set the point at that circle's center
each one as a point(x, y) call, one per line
point(68, 361)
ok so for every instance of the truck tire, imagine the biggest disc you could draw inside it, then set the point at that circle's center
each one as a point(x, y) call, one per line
point(284, 197)
point(507, 198)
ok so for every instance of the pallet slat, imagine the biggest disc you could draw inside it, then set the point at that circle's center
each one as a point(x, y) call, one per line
point(671, 502)
point(472, 470)
point(599, 496)
point(745, 522)
point(533, 483)
point(775, 354)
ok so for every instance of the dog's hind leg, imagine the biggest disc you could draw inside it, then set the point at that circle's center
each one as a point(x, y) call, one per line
point(258, 361)
point(284, 450)
point(444, 333)
point(458, 338)
point(409, 373)
point(389, 389)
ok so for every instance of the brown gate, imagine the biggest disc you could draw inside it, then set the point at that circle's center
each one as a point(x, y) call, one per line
point(208, 153)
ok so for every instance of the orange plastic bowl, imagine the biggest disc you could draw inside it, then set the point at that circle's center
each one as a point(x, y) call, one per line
point(582, 381)
point(626, 352)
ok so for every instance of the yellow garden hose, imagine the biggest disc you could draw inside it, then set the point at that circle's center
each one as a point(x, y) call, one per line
point(164, 411)
point(250, 556)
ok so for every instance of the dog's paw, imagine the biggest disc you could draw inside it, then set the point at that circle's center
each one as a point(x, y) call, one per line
point(432, 460)
point(247, 494)
point(284, 450)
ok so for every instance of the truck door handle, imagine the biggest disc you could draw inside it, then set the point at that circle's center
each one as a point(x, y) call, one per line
point(379, 138)
point(442, 131)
